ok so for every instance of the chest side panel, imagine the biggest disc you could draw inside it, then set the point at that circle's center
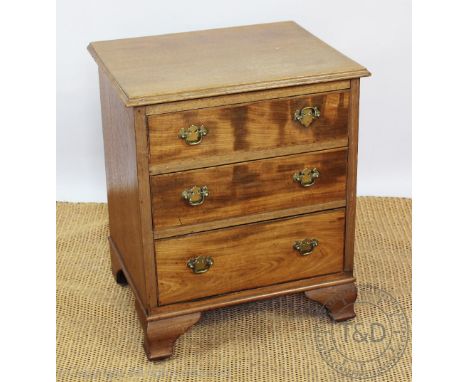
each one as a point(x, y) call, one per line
point(124, 190)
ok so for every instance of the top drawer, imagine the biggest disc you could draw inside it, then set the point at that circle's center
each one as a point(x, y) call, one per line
point(246, 132)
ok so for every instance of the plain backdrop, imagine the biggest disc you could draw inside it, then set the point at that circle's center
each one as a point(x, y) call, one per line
point(377, 34)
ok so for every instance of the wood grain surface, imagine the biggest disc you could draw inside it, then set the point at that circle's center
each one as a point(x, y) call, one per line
point(173, 67)
point(248, 188)
point(339, 300)
point(123, 188)
point(161, 335)
point(239, 98)
point(251, 131)
point(249, 256)
point(351, 180)
point(250, 295)
point(244, 86)
point(163, 233)
point(144, 193)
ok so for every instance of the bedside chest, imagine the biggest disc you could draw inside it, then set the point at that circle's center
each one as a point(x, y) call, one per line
point(231, 159)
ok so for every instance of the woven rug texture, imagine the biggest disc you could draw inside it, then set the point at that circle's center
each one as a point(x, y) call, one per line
point(99, 336)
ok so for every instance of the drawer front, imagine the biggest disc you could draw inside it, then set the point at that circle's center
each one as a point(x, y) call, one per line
point(249, 256)
point(247, 132)
point(251, 188)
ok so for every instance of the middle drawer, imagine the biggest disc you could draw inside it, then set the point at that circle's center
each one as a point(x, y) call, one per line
point(247, 192)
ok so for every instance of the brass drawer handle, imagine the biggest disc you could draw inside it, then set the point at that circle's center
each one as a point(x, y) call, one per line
point(306, 177)
point(200, 264)
point(195, 195)
point(307, 115)
point(305, 247)
point(193, 135)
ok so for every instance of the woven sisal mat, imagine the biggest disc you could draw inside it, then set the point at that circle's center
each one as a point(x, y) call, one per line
point(99, 336)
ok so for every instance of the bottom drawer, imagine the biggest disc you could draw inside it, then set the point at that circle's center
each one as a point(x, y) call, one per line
point(249, 256)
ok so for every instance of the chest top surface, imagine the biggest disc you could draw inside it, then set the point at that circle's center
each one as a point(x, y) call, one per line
point(181, 66)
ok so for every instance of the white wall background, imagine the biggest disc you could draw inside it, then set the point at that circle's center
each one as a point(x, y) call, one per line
point(377, 34)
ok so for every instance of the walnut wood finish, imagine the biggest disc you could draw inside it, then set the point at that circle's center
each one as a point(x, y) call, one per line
point(125, 193)
point(247, 188)
point(339, 300)
point(246, 219)
point(174, 67)
point(244, 86)
point(161, 335)
point(254, 130)
point(249, 256)
point(352, 176)
point(244, 98)
point(249, 295)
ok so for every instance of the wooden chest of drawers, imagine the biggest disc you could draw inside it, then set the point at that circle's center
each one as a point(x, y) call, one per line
point(231, 161)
